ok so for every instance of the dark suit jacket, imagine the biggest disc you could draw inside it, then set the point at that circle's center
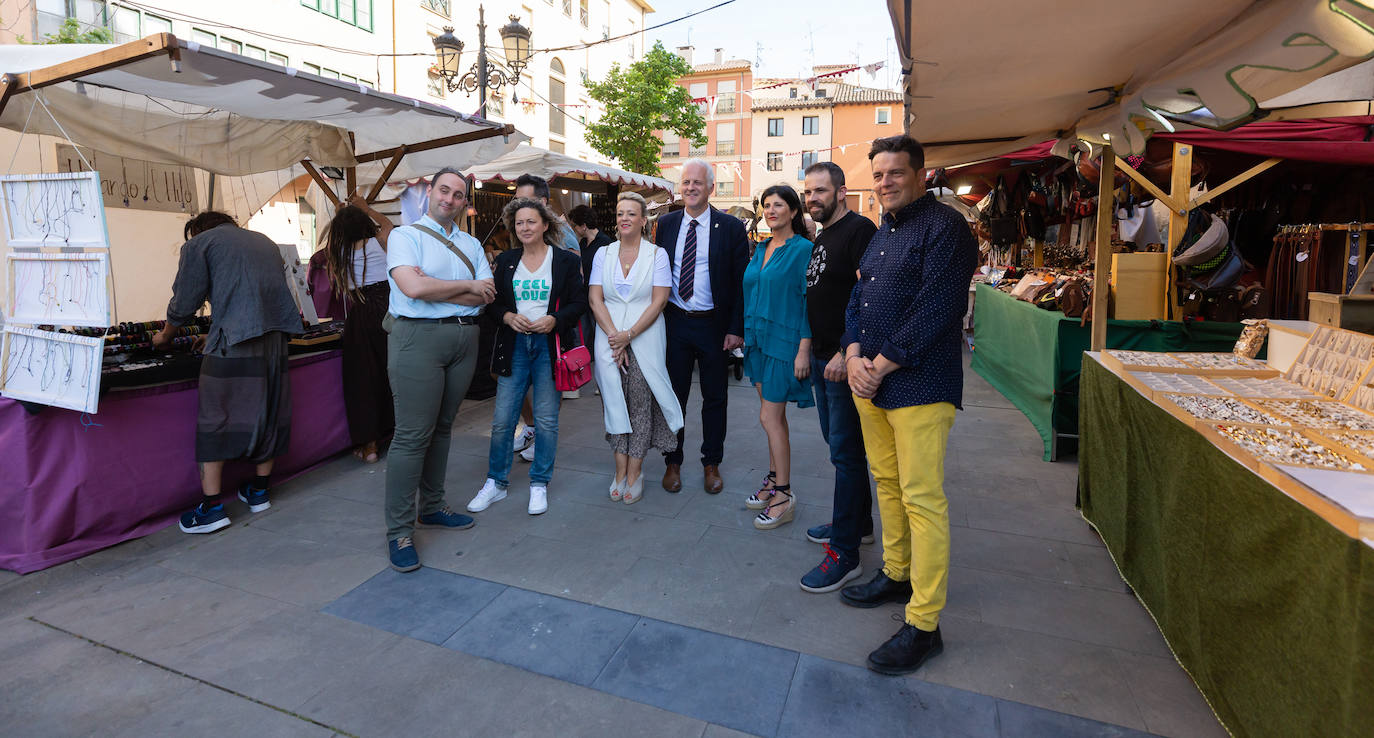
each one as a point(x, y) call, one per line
point(727, 259)
point(569, 295)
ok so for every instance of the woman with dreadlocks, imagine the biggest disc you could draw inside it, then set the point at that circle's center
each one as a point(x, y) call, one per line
point(355, 260)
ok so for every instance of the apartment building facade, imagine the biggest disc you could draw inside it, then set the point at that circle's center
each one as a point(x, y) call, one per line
point(388, 45)
point(729, 127)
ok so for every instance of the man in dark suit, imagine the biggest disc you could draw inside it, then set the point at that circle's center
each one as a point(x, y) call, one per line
point(705, 314)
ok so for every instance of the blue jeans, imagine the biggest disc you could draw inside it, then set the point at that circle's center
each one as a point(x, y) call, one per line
point(852, 518)
point(529, 366)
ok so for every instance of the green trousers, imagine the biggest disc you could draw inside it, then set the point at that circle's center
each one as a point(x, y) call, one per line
point(430, 366)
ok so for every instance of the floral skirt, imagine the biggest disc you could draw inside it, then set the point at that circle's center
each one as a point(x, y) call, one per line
point(648, 428)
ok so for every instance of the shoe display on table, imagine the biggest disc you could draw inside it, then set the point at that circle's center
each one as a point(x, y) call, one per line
point(255, 499)
point(539, 499)
point(204, 519)
point(527, 455)
point(833, 572)
point(489, 493)
point(445, 517)
point(906, 650)
point(879, 590)
point(401, 552)
point(821, 534)
point(524, 437)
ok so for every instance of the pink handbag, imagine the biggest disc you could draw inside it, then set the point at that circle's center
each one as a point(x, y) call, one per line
point(573, 367)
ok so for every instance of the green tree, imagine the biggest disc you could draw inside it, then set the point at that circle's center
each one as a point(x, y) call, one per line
point(640, 99)
point(71, 33)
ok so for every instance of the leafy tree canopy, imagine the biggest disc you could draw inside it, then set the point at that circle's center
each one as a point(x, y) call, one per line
point(71, 33)
point(640, 99)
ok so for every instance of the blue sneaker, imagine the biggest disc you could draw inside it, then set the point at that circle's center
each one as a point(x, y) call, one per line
point(202, 519)
point(821, 534)
point(256, 499)
point(445, 517)
point(402, 554)
point(832, 573)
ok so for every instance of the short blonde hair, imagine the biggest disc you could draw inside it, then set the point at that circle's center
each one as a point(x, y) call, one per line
point(634, 197)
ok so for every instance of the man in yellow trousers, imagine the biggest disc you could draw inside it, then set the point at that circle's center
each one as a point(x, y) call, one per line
point(903, 356)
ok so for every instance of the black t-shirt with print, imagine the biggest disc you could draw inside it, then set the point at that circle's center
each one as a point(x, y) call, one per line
point(830, 278)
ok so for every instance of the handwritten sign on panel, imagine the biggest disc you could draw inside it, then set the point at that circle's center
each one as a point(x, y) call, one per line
point(134, 183)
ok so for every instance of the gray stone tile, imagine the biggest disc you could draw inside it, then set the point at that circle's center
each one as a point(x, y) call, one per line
point(637, 534)
point(1026, 556)
point(204, 710)
point(336, 521)
point(426, 604)
point(973, 476)
point(280, 658)
point(1092, 566)
point(157, 613)
point(1083, 614)
point(829, 699)
point(1028, 519)
point(583, 571)
point(723, 680)
point(415, 689)
point(710, 600)
point(753, 556)
point(302, 572)
point(1024, 721)
point(1055, 673)
point(1169, 701)
point(547, 635)
point(720, 731)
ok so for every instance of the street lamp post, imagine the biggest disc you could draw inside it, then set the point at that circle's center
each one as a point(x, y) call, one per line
point(484, 75)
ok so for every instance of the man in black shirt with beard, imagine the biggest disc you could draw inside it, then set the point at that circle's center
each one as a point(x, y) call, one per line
point(830, 279)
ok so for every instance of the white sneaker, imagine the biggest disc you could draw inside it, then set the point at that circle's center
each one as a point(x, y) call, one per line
point(488, 494)
point(539, 499)
point(572, 394)
point(528, 453)
point(524, 437)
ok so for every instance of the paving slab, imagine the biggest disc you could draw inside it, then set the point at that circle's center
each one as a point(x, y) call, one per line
point(687, 595)
point(711, 677)
point(426, 604)
point(1024, 721)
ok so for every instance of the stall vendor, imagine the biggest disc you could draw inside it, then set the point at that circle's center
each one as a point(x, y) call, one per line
point(245, 391)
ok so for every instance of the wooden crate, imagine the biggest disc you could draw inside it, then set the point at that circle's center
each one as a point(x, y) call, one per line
point(1349, 312)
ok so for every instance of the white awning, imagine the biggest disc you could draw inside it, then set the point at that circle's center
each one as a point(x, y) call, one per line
point(551, 165)
point(991, 77)
point(237, 117)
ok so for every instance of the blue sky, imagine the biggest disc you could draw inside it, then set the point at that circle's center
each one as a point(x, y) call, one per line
point(779, 36)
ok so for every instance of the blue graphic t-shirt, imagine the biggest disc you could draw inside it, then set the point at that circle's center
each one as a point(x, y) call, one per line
point(532, 288)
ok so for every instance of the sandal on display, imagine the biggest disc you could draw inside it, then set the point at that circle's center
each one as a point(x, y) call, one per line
point(759, 500)
point(766, 520)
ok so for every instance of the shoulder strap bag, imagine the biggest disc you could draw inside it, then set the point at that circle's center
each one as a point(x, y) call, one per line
point(389, 320)
point(573, 368)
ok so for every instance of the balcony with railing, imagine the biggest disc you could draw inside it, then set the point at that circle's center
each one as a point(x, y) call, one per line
point(438, 6)
point(725, 148)
point(726, 103)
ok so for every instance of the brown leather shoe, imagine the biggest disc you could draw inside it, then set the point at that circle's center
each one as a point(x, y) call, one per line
point(714, 484)
point(672, 478)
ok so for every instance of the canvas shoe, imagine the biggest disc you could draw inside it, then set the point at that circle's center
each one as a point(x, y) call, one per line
point(402, 554)
point(489, 493)
point(539, 499)
point(445, 517)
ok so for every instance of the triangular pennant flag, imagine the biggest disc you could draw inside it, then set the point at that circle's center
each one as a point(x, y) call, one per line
point(711, 105)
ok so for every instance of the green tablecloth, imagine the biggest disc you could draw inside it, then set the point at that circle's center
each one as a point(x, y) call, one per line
point(1268, 607)
point(1032, 356)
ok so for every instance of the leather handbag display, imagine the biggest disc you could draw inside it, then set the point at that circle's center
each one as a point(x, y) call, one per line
point(573, 367)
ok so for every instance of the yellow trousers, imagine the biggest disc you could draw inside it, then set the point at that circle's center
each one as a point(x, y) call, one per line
point(906, 453)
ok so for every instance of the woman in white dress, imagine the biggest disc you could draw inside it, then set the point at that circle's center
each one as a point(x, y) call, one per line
point(627, 290)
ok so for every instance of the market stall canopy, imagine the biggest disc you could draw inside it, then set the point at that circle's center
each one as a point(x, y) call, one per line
point(987, 78)
point(564, 171)
point(185, 104)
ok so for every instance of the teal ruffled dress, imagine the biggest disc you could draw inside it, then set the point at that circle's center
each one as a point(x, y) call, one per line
point(775, 320)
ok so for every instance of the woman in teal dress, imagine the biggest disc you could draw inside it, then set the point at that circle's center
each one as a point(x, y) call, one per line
point(777, 338)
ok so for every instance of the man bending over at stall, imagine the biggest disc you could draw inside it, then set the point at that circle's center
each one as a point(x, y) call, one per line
point(245, 391)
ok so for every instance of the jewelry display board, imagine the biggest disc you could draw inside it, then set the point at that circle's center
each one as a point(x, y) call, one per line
point(59, 289)
point(54, 210)
point(59, 369)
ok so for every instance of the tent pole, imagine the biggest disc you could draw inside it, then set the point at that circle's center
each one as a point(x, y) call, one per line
point(1102, 260)
point(437, 143)
point(1180, 181)
point(7, 91)
point(1147, 184)
point(386, 174)
point(159, 43)
point(351, 173)
point(322, 182)
point(1236, 181)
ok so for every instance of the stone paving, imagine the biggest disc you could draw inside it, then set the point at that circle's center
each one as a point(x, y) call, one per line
point(669, 617)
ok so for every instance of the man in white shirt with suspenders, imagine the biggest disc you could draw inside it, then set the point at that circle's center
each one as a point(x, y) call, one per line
point(440, 281)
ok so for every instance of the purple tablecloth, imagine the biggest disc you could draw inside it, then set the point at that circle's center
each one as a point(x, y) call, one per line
point(72, 483)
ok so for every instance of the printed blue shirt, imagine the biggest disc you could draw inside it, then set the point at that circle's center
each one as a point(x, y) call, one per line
point(910, 302)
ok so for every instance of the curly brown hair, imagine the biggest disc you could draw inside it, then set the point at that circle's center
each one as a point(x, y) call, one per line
point(551, 232)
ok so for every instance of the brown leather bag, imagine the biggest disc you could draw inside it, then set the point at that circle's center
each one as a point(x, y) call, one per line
point(1074, 297)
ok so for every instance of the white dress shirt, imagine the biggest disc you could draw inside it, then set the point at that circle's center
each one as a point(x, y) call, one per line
point(701, 287)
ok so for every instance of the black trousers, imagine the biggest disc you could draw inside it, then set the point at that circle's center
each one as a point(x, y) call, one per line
point(696, 342)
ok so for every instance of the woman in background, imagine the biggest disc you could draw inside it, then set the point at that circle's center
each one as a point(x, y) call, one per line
point(355, 260)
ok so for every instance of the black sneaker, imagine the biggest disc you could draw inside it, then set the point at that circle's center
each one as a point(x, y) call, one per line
point(878, 591)
point(255, 499)
point(905, 651)
point(821, 534)
point(832, 573)
point(203, 519)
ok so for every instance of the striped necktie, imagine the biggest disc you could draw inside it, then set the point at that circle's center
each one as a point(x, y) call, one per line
point(688, 273)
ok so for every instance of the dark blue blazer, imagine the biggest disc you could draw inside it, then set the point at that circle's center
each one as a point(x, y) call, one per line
point(727, 259)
